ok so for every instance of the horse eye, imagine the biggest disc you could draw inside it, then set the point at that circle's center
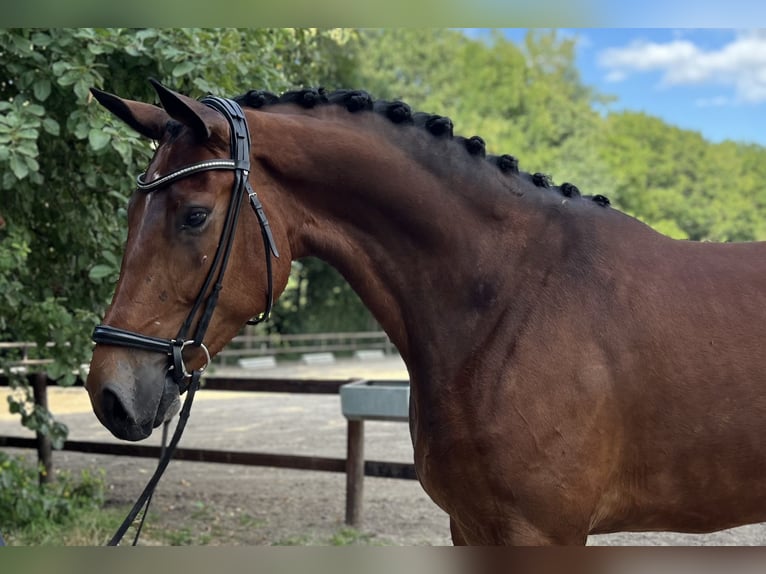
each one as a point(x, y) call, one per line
point(195, 218)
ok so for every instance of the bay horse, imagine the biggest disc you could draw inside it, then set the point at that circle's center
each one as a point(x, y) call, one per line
point(572, 370)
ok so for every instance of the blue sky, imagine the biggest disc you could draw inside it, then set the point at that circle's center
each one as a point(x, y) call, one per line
point(709, 80)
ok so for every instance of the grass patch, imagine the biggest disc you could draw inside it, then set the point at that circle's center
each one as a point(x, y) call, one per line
point(84, 528)
point(71, 511)
point(181, 537)
point(350, 537)
point(302, 540)
point(346, 536)
point(66, 511)
point(247, 521)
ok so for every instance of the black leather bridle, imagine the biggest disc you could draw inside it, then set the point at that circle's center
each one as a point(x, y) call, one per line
point(206, 303)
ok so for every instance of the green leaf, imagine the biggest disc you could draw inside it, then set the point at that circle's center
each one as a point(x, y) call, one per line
point(100, 271)
point(55, 370)
point(203, 85)
point(81, 129)
point(82, 87)
point(12, 119)
point(146, 34)
point(27, 134)
point(97, 139)
point(57, 441)
point(68, 78)
point(51, 126)
point(60, 67)
point(31, 423)
point(67, 380)
point(27, 148)
point(41, 39)
point(32, 164)
point(19, 167)
point(110, 257)
point(97, 49)
point(36, 110)
point(183, 68)
point(42, 89)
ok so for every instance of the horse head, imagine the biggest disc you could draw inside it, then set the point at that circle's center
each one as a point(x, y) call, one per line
point(174, 305)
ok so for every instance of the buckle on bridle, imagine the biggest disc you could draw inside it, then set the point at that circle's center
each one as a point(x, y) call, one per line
point(178, 356)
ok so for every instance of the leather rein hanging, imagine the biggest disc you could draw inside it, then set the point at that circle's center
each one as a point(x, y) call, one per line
point(205, 303)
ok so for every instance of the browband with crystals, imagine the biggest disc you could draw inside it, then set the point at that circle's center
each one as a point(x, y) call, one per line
point(143, 185)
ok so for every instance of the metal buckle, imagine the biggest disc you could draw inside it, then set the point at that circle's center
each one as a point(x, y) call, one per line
point(185, 344)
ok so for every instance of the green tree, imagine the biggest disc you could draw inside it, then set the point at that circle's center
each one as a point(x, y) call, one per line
point(681, 184)
point(67, 167)
point(527, 100)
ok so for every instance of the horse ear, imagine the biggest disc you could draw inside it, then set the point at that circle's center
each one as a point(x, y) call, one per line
point(146, 119)
point(188, 111)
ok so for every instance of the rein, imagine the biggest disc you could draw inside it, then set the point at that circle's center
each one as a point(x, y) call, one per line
point(205, 303)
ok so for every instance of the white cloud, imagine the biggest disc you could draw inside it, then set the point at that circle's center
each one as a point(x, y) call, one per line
point(739, 65)
point(616, 76)
point(715, 102)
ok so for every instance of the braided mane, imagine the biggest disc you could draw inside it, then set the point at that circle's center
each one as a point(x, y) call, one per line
point(399, 112)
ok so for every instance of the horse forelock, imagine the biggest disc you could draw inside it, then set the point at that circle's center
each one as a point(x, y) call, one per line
point(399, 112)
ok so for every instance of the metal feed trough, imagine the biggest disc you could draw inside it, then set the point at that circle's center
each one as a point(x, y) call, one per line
point(360, 401)
point(376, 400)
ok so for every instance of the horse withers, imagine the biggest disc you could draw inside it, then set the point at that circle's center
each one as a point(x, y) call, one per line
point(572, 371)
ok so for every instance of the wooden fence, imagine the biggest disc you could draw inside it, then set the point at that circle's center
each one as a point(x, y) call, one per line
point(250, 345)
point(354, 465)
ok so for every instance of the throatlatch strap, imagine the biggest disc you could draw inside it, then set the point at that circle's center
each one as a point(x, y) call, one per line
point(268, 238)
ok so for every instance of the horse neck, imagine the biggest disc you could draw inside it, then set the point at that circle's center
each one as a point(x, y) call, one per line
point(426, 249)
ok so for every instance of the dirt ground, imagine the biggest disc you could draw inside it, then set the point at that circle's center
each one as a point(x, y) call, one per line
point(203, 503)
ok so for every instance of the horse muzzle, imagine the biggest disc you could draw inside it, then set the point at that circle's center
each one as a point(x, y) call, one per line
point(131, 402)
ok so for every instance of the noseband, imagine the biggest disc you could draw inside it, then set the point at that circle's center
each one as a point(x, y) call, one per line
point(240, 165)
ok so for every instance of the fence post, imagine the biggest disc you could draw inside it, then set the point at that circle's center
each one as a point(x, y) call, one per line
point(354, 472)
point(44, 450)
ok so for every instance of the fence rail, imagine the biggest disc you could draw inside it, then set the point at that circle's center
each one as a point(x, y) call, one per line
point(24, 347)
point(249, 345)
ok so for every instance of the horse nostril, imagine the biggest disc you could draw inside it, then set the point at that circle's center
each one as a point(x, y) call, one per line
point(120, 420)
point(113, 409)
